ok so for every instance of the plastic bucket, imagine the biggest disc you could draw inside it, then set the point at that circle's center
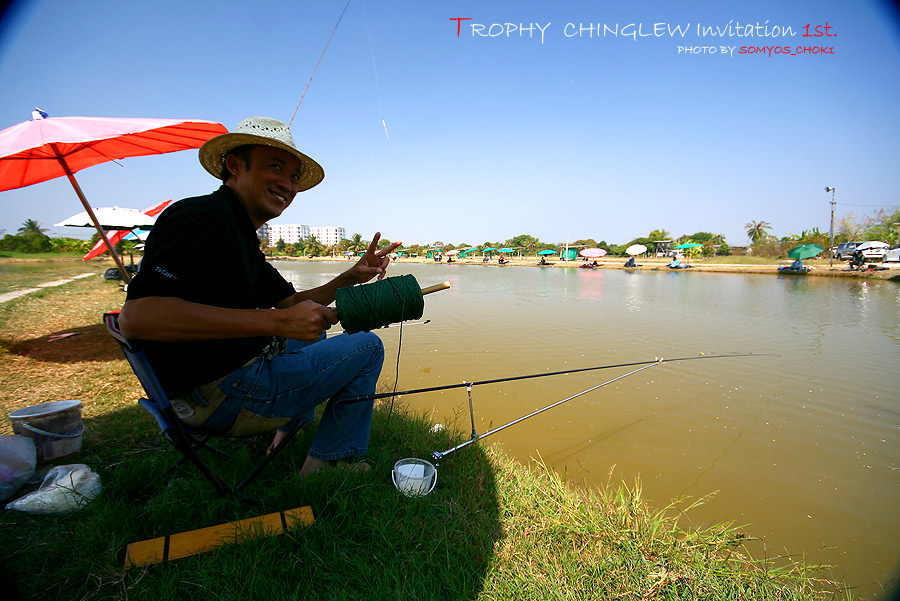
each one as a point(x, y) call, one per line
point(414, 477)
point(55, 427)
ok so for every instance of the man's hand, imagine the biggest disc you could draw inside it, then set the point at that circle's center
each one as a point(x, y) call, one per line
point(373, 263)
point(305, 321)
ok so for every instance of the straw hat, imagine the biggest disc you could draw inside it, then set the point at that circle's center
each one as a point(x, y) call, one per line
point(263, 131)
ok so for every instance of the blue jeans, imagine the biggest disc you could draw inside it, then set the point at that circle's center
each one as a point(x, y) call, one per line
point(293, 384)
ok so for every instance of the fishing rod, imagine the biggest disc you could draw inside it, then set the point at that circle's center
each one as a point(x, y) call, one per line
point(321, 56)
point(464, 384)
point(437, 455)
point(404, 324)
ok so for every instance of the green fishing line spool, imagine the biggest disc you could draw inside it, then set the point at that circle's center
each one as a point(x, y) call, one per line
point(381, 303)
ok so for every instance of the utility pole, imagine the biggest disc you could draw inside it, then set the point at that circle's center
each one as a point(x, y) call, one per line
point(831, 229)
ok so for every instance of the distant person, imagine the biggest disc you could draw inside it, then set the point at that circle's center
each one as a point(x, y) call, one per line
point(676, 264)
point(797, 265)
point(631, 263)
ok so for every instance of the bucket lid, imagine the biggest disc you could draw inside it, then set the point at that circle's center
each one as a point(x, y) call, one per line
point(44, 409)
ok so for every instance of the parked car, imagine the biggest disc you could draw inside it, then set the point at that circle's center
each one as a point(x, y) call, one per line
point(893, 254)
point(873, 250)
point(844, 250)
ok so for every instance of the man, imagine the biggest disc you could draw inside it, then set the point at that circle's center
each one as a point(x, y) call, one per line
point(213, 315)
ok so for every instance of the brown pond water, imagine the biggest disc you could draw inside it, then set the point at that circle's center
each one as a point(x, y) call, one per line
point(801, 444)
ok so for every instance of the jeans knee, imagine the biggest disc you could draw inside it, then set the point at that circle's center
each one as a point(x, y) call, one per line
point(377, 346)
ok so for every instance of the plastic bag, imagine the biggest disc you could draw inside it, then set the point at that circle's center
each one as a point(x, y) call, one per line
point(18, 458)
point(65, 488)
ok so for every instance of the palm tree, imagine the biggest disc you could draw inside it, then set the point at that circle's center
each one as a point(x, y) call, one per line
point(31, 227)
point(313, 246)
point(357, 243)
point(758, 230)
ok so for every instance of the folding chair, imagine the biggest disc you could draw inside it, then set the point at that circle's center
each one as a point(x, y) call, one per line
point(185, 439)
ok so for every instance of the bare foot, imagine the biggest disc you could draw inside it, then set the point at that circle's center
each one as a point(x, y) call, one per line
point(311, 466)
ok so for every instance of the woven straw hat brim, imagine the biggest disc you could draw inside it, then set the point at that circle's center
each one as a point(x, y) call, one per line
point(212, 156)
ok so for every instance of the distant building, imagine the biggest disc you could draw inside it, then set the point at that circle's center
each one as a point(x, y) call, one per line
point(327, 235)
point(292, 233)
point(289, 232)
point(663, 248)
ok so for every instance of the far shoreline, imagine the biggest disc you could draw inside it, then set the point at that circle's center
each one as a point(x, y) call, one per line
point(818, 268)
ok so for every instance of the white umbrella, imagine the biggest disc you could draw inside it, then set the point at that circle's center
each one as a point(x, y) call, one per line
point(636, 249)
point(111, 218)
point(872, 244)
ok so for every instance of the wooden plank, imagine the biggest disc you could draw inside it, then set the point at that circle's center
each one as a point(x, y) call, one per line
point(184, 544)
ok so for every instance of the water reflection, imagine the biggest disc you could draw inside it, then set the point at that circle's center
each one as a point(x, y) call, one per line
point(801, 441)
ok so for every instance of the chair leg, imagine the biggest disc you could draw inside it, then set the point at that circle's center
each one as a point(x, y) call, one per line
point(201, 443)
point(219, 484)
point(268, 458)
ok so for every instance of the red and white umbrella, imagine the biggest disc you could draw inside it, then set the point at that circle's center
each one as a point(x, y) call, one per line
point(49, 147)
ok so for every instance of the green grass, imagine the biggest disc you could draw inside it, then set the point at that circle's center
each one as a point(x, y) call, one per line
point(493, 529)
point(27, 272)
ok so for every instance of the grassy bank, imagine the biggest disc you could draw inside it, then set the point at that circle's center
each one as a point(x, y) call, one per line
point(492, 529)
point(27, 271)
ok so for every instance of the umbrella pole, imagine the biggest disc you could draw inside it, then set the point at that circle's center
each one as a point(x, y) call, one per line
point(126, 277)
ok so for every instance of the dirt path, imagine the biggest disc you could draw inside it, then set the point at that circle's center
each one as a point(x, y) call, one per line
point(8, 296)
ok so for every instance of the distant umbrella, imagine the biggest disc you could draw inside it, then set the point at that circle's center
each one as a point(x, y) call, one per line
point(592, 252)
point(139, 235)
point(450, 253)
point(636, 249)
point(872, 244)
point(547, 252)
point(111, 218)
point(506, 250)
point(804, 251)
point(688, 245)
point(118, 235)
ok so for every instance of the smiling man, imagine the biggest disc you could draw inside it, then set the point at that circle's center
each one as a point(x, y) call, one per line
point(236, 348)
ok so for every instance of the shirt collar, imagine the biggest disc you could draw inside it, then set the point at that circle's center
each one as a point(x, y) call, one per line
point(240, 211)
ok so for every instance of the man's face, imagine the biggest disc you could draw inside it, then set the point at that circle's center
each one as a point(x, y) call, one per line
point(269, 185)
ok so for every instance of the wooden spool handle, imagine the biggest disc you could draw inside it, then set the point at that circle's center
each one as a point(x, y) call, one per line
point(435, 288)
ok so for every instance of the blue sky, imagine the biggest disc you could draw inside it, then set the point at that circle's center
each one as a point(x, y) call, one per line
point(560, 136)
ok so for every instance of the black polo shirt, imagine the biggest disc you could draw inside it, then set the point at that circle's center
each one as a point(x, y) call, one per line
point(205, 250)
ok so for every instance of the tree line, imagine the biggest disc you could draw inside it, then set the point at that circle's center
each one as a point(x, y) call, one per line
point(882, 226)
